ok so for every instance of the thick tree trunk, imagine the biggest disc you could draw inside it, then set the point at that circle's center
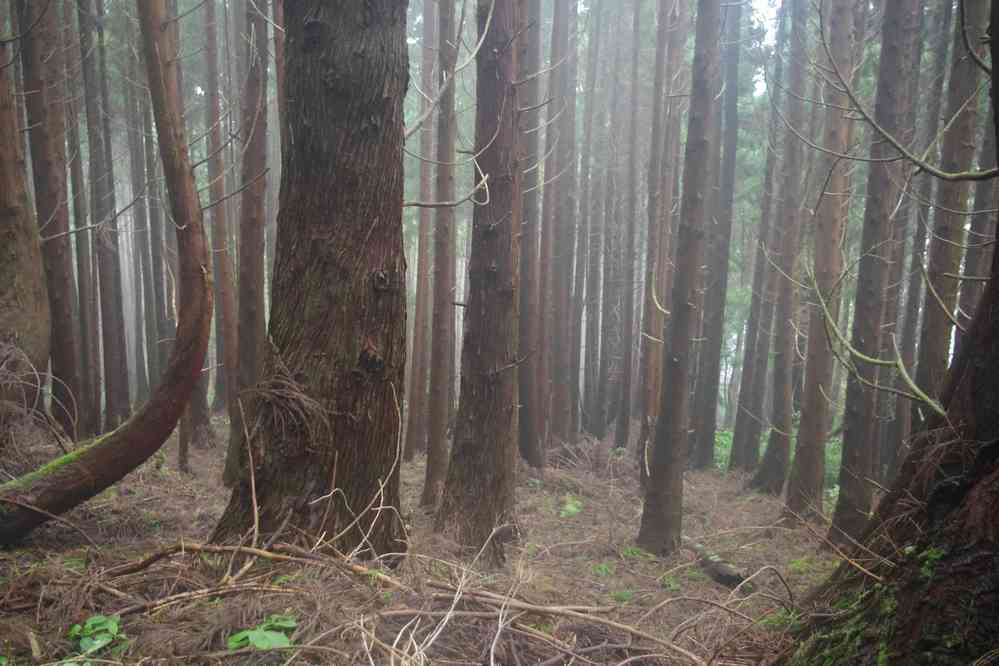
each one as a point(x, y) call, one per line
point(714, 312)
point(102, 204)
point(42, 64)
point(748, 409)
point(90, 468)
point(529, 326)
point(804, 494)
point(772, 472)
point(663, 507)
point(25, 321)
point(479, 492)
point(442, 318)
point(416, 419)
point(956, 154)
point(325, 423)
point(252, 349)
point(859, 432)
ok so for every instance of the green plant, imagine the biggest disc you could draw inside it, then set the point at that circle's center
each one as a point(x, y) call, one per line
point(928, 559)
point(603, 569)
point(99, 634)
point(534, 483)
point(800, 565)
point(669, 583)
point(723, 448)
point(271, 633)
point(780, 619)
point(622, 596)
point(571, 506)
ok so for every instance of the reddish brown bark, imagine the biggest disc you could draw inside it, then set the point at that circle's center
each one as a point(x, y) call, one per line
point(479, 493)
point(251, 323)
point(90, 468)
point(325, 422)
point(859, 434)
point(42, 64)
point(804, 493)
point(662, 510)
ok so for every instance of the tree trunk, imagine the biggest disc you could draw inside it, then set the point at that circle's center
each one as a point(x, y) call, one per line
point(226, 325)
point(859, 432)
point(932, 542)
point(102, 204)
point(772, 472)
point(92, 467)
point(608, 379)
point(252, 326)
point(749, 408)
point(479, 492)
point(714, 313)
point(416, 425)
point(25, 320)
point(621, 433)
point(804, 494)
point(663, 507)
point(956, 154)
point(442, 318)
point(325, 423)
point(42, 64)
point(529, 328)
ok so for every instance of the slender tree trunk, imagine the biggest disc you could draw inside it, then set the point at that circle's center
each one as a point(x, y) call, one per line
point(804, 494)
point(88, 400)
point(416, 426)
point(530, 311)
point(340, 394)
point(772, 472)
point(564, 221)
point(94, 466)
point(610, 319)
point(957, 154)
point(749, 407)
point(663, 507)
point(42, 64)
point(156, 243)
point(714, 313)
point(624, 410)
point(102, 203)
point(140, 235)
point(479, 492)
point(226, 324)
point(441, 357)
point(252, 325)
point(589, 210)
point(548, 291)
point(859, 440)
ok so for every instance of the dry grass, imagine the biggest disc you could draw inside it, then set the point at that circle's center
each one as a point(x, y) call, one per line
point(575, 589)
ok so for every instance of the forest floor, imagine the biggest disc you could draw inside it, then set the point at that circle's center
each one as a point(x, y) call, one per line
point(575, 589)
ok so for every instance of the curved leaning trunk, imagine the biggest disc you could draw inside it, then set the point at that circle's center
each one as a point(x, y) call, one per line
point(64, 483)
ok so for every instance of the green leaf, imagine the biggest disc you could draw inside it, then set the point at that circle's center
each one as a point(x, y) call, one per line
point(239, 640)
point(570, 507)
point(262, 639)
point(91, 644)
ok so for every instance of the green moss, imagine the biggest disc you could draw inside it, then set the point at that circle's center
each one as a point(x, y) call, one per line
point(51, 467)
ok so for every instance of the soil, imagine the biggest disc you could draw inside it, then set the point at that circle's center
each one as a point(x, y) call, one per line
point(438, 605)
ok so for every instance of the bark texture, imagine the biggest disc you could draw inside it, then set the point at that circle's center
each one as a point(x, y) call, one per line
point(90, 468)
point(479, 492)
point(325, 423)
point(663, 507)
